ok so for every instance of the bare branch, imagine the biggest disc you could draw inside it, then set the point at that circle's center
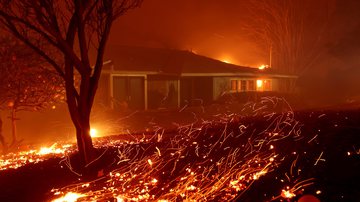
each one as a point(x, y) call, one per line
point(283, 26)
point(69, 26)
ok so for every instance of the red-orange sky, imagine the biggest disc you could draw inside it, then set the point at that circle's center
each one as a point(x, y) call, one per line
point(214, 28)
point(211, 27)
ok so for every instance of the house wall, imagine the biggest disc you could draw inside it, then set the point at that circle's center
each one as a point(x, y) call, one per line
point(221, 85)
point(143, 91)
point(275, 85)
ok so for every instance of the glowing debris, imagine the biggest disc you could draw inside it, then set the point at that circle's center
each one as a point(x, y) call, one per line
point(93, 132)
point(154, 181)
point(150, 162)
point(287, 194)
point(262, 67)
point(319, 159)
point(21, 158)
point(69, 197)
point(158, 150)
point(191, 188)
point(119, 199)
point(51, 150)
point(213, 161)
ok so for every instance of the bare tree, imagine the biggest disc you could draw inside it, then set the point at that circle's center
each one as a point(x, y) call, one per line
point(3, 95)
point(293, 32)
point(27, 84)
point(32, 91)
point(73, 28)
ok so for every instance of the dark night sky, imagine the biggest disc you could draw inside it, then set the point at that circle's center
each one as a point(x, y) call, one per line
point(214, 28)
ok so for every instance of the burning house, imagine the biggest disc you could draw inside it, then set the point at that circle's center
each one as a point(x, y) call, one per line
point(148, 78)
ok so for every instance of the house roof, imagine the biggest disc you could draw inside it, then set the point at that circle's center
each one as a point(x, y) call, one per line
point(171, 62)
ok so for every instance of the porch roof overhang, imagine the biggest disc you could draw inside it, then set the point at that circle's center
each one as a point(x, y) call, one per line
point(220, 74)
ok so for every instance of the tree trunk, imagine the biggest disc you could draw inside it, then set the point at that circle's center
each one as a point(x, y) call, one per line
point(13, 126)
point(80, 116)
point(84, 141)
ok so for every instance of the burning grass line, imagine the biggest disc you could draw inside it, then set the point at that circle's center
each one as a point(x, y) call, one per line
point(217, 160)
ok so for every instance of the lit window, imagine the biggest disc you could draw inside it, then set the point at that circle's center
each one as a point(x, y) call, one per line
point(259, 84)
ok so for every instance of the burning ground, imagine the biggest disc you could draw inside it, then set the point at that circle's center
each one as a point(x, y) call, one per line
point(262, 151)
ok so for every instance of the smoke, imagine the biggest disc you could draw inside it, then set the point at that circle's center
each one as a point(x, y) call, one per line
point(207, 28)
point(338, 73)
point(214, 28)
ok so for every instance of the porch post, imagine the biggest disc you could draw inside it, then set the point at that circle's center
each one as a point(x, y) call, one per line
point(178, 100)
point(111, 90)
point(146, 92)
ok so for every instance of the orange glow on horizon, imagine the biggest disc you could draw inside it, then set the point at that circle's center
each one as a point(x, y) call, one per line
point(262, 67)
point(226, 58)
point(226, 61)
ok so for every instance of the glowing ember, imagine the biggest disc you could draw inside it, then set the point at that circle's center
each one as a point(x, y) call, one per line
point(262, 67)
point(213, 161)
point(21, 158)
point(287, 194)
point(259, 174)
point(69, 197)
point(154, 181)
point(226, 61)
point(51, 150)
point(119, 199)
point(93, 132)
point(150, 162)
